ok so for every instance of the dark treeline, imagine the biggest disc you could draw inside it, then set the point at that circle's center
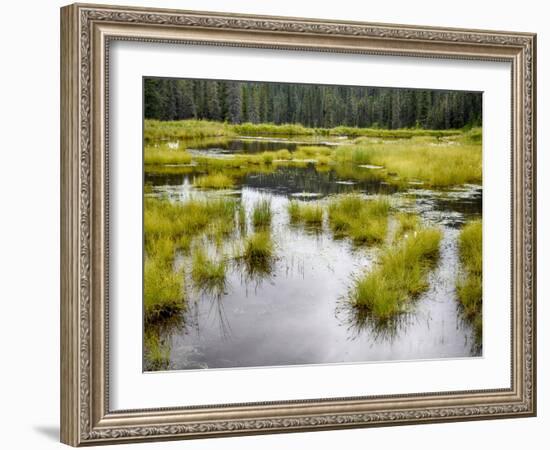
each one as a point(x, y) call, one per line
point(309, 105)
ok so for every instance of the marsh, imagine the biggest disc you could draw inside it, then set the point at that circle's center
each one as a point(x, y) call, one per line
point(270, 267)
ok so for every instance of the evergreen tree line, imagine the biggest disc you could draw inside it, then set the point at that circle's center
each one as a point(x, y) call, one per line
point(310, 105)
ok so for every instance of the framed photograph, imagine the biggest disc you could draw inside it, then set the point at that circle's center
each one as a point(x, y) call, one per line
point(276, 224)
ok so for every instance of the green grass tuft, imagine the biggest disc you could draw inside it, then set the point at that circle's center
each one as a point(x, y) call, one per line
point(164, 155)
point(214, 181)
point(306, 213)
point(261, 213)
point(363, 221)
point(163, 290)
point(157, 354)
point(469, 287)
point(208, 273)
point(401, 275)
point(258, 248)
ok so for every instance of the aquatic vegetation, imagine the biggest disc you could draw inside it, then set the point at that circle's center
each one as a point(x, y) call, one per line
point(179, 222)
point(401, 133)
point(437, 165)
point(165, 155)
point(156, 353)
point(184, 129)
point(406, 223)
point(255, 129)
point(268, 157)
point(469, 287)
point(163, 290)
point(261, 213)
point(241, 218)
point(208, 273)
point(258, 248)
point(283, 154)
point(364, 221)
point(306, 213)
point(214, 181)
point(400, 275)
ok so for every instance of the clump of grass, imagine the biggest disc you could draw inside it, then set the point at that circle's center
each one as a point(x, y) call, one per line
point(268, 157)
point(322, 160)
point(469, 287)
point(261, 213)
point(363, 221)
point(401, 275)
point(214, 181)
point(157, 354)
point(258, 248)
point(283, 154)
point(406, 223)
point(163, 290)
point(164, 155)
point(306, 213)
point(171, 226)
point(208, 273)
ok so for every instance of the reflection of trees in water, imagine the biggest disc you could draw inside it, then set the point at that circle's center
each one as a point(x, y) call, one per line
point(358, 321)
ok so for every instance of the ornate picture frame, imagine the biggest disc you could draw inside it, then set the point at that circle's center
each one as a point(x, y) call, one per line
point(87, 32)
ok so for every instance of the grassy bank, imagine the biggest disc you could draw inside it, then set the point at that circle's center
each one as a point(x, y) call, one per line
point(162, 154)
point(189, 129)
point(400, 275)
point(436, 165)
point(469, 286)
point(214, 181)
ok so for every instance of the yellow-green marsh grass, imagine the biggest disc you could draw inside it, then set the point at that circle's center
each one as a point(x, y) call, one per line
point(364, 221)
point(214, 181)
point(261, 213)
point(306, 213)
point(181, 221)
point(184, 129)
point(258, 248)
point(437, 165)
point(163, 290)
point(207, 273)
point(406, 223)
point(469, 287)
point(400, 275)
point(157, 353)
point(187, 129)
point(164, 155)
